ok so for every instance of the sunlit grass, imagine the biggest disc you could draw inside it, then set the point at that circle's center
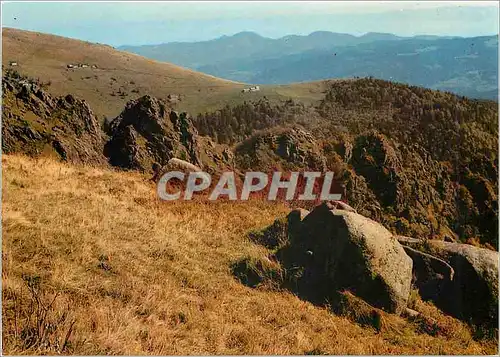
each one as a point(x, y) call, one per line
point(139, 276)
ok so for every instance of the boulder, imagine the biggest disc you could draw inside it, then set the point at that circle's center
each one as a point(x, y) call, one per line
point(472, 293)
point(349, 252)
point(175, 164)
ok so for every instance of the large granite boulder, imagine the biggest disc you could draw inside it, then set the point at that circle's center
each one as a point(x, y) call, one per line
point(337, 250)
point(472, 293)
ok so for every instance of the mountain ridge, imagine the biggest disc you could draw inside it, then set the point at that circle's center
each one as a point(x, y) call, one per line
point(466, 66)
point(311, 34)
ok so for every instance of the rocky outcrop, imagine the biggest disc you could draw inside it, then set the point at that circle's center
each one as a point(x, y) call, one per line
point(216, 157)
point(421, 169)
point(330, 250)
point(403, 187)
point(374, 157)
point(145, 136)
point(284, 148)
point(471, 292)
point(149, 132)
point(35, 123)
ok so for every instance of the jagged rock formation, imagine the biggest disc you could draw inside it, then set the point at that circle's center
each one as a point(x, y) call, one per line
point(33, 122)
point(149, 132)
point(216, 157)
point(280, 148)
point(404, 188)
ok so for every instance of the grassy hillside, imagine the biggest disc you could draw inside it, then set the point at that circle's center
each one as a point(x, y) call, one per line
point(109, 269)
point(121, 76)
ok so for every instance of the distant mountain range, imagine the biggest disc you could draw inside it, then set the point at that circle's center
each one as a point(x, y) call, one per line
point(466, 66)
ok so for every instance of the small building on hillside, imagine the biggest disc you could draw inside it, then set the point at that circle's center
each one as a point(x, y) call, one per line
point(174, 98)
point(80, 65)
point(13, 63)
point(251, 89)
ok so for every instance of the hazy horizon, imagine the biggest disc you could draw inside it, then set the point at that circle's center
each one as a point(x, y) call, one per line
point(120, 24)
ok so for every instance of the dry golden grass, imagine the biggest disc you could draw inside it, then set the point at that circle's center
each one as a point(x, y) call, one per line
point(46, 56)
point(134, 275)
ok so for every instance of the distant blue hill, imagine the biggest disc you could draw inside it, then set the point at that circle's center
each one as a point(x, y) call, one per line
point(466, 66)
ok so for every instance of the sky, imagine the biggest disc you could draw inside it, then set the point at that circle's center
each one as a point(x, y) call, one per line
point(138, 23)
